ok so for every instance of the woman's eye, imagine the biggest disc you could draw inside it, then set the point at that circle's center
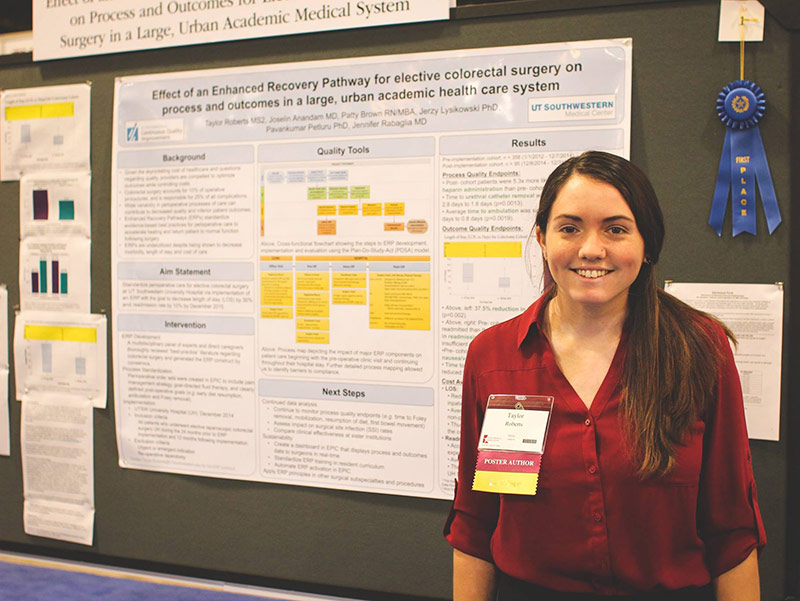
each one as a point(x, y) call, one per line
point(569, 229)
point(615, 229)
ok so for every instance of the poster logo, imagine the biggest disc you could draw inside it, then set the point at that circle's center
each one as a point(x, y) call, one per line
point(155, 130)
point(573, 108)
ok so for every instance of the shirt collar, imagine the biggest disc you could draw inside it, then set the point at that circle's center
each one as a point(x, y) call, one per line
point(533, 316)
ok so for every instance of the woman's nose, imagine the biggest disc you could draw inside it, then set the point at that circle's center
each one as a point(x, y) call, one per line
point(592, 248)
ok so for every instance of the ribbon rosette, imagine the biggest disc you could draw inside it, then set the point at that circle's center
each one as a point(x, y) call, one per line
point(740, 105)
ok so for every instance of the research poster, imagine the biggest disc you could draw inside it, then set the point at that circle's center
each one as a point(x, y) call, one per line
point(302, 252)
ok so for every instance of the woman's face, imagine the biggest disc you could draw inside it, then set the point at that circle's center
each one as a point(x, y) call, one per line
point(592, 245)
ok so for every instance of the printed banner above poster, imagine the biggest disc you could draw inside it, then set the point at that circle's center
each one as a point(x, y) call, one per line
point(301, 253)
point(67, 28)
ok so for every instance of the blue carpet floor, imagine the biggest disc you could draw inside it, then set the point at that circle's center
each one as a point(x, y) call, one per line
point(20, 582)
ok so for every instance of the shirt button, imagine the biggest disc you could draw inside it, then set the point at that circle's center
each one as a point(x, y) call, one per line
point(592, 469)
point(598, 517)
point(588, 422)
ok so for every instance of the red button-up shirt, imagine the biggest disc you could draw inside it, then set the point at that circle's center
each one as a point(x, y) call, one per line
point(593, 525)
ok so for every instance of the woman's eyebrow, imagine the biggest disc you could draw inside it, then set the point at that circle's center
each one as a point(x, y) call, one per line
point(568, 216)
point(611, 218)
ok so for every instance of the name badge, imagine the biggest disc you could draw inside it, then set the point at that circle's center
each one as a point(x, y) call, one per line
point(512, 443)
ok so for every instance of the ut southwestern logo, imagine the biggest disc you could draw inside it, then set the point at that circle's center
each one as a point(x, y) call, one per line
point(132, 133)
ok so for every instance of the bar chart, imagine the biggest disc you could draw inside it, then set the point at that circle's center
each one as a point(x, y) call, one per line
point(27, 113)
point(67, 354)
point(44, 129)
point(55, 204)
point(41, 207)
point(481, 269)
point(58, 278)
point(54, 274)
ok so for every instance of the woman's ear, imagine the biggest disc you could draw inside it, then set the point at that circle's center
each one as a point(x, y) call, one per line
point(540, 240)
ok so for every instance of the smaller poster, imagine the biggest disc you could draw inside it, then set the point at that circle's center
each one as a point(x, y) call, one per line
point(61, 352)
point(44, 129)
point(754, 313)
point(55, 274)
point(58, 466)
point(55, 204)
point(5, 435)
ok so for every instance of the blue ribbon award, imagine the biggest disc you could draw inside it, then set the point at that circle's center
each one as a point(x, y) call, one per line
point(740, 105)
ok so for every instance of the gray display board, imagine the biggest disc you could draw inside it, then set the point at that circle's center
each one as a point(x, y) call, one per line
point(379, 545)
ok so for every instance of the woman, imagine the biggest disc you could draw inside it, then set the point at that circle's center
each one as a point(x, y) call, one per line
point(646, 488)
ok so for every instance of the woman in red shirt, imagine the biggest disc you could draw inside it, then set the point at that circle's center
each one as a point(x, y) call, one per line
point(646, 489)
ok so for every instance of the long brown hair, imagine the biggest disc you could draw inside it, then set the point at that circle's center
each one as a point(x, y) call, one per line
point(669, 376)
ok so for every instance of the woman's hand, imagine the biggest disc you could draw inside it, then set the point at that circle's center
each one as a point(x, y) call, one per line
point(740, 583)
point(473, 579)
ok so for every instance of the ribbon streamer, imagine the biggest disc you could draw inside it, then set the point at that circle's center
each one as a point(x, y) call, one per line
point(740, 105)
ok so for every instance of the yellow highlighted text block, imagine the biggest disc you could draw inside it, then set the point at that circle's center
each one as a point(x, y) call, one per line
point(393, 227)
point(313, 304)
point(349, 296)
point(326, 210)
point(267, 258)
point(277, 312)
point(395, 208)
point(348, 209)
point(507, 250)
point(40, 111)
point(323, 325)
point(314, 337)
point(63, 333)
point(400, 301)
point(326, 227)
point(372, 209)
point(276, 288)
point(349, 280)
point(505, 482)
point(312, 280)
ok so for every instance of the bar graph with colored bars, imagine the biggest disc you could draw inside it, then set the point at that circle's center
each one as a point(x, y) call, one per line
point(41, 207)
point(58, 279)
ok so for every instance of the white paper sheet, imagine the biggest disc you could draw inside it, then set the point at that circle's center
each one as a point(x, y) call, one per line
point(63, 28)
point(44, 129)
point(55, 274)
point(55, 204)
point(754, 313)
point(58, 466)
point(5, 435)
point(61, 352)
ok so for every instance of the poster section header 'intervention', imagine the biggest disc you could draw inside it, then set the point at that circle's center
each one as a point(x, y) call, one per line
point(67, 28)
point(301, 253)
